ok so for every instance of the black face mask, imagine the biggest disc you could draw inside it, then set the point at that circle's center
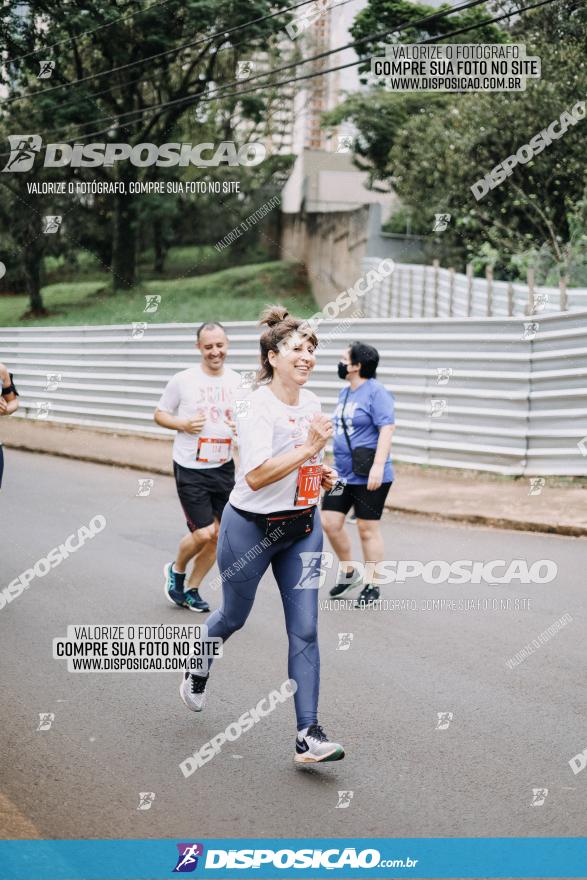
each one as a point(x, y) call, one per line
point(342, 370)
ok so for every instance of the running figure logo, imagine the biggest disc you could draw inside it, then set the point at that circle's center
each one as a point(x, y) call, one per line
point(537, 484)
point(437, 407)
point(540, 301)
point(345, 143)
point(46, 719)
point(443, 375)
point(146, 798)
point(241, 408)
point(444, 719)
point(53, 381)
point(152, 302)
point(138, 329)
point(344, 799)
point(248, 378)
point(441, 222)
point(187, 861)
point(531, 328)
point(42, 408)
point(51, 223)
point(539, 795)
point(314, 565)
point(244, 69)
point(46, 69)
point(145, 486)
point(23, 149)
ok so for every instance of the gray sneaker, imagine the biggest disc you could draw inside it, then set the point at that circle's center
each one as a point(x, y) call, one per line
point(346, 585)
point(192, 690)
point(315, 747)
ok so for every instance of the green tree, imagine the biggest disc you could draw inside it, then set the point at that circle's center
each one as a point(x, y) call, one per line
point(432, 148)
point(105, 37)
point(380, 115)
point(438, 155)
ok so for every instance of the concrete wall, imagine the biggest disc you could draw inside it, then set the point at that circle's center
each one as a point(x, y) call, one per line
point(335, 245)
point(332, 247)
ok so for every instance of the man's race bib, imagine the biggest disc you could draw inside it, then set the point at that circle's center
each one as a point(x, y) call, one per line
point(308, 485)
point(213, 450)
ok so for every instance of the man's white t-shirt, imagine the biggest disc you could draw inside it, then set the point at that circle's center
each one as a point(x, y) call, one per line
point(268, 427)
point(192, 390)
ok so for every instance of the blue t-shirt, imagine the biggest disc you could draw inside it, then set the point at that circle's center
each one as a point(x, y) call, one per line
point(367, 409)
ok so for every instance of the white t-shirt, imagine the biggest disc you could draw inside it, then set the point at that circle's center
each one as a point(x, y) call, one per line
point(268, 427)
point(184, 395)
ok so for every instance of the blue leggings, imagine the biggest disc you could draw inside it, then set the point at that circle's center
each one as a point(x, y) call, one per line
point(239, 536)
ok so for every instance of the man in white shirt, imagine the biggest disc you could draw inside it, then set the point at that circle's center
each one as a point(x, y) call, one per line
point(198, 404)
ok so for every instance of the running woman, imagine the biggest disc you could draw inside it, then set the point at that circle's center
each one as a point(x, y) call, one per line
point(364, 424)
point(198, 404)
point(8, 404)
point(272, 516)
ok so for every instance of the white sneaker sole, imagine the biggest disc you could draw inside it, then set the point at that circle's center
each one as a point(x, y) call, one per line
point(336, 754)
point(185, 702)
point(197, 610)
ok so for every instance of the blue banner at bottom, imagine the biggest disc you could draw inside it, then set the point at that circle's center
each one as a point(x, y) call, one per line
point(293, 857)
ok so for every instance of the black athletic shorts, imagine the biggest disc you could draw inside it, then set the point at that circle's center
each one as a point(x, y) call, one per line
point(203, 492)
point(367, 504)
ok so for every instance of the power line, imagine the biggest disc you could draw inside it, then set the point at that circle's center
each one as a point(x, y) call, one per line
point(85, 33)
point(176, 49)
point(240, 93)
point(465, 29)
point(405, 26)
point(131, 82)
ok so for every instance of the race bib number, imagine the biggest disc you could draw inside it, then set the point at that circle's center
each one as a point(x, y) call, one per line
point(308, 485)
point(213, 450)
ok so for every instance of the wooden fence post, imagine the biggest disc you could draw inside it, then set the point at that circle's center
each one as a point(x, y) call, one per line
point(510, 299)
point(423, 303)
point(398, 305)
point(451, 291)
point(562, 283)
point(530, 303)
point(489, 277)
point(390, 301)
point(436, 264)
point(411, 292)
point(469, 289)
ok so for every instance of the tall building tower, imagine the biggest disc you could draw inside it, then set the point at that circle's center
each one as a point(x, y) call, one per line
point(325, 32)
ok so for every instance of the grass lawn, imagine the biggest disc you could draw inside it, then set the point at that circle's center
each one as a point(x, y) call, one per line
point(235, 294)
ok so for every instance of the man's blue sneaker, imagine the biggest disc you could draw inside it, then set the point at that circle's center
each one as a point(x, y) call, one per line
point(193, 601)
point(174, 585)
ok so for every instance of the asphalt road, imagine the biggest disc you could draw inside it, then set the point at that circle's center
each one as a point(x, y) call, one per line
point(115, 735)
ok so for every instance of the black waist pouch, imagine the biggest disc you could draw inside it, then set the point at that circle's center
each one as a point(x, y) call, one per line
point(362, 458)
point(284, 525)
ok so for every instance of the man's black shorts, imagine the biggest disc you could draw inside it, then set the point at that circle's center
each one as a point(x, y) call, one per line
point(203, 492)
point(368, 505)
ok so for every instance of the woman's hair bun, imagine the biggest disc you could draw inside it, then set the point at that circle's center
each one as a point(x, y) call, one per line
point(273, 315)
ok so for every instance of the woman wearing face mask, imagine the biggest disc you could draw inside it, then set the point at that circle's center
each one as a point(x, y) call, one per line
point(272, 519)
point(363, 428)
